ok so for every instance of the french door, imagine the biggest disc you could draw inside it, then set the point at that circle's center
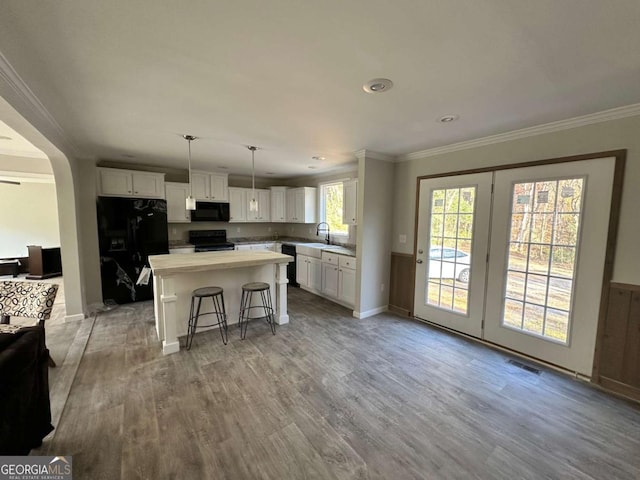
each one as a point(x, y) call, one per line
point(538, 291)
point(453, 233)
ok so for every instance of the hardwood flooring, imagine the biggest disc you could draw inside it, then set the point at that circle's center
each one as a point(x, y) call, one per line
point(331, 397)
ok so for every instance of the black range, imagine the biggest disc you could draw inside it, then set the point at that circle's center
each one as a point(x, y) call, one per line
point(210, 240)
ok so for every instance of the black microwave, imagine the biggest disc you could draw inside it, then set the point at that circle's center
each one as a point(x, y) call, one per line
point(210, 212)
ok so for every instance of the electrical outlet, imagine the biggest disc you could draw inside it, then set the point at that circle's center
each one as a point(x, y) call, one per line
point(173, 231)
point(269, 229)
point(238, 229)
point(310, 231)
point(382, 287)
point(403, 239)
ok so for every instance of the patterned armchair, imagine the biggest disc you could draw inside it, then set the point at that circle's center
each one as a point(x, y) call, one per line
point(26, 299)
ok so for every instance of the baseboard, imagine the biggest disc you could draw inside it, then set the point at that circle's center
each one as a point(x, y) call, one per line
point(399, 311)
point(620, 388)
point(74, 318)
point(370, 313)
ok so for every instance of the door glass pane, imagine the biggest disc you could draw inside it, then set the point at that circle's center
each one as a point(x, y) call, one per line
point(543, 243)
point(451, 236)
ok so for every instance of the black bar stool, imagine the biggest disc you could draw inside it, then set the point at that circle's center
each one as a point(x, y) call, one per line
point(248, 289)
point(217, 297)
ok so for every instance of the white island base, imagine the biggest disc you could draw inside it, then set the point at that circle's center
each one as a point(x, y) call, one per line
point(176, 276)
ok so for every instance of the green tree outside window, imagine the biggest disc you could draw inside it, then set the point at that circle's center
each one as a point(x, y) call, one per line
point(333, 205)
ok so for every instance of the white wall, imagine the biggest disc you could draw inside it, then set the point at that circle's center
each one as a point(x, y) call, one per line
point(28, 216)
point(611, 135)
point(375, 209)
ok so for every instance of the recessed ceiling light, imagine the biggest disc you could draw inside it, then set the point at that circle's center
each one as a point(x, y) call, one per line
point(128, 155)
point(312, 167)
point(269, 173)
point(222, 167)
point(317, 158)
point(448, 118)
point(378, 85)
point(2, 137)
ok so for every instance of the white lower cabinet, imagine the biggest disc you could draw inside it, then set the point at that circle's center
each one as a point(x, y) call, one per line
point(269, 246)
point(309, 272)
point(347, 285)
point(339, 277)
point(182, 250)
point(330, 279)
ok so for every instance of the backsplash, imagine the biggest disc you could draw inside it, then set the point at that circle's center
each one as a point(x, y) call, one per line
point(179, 232)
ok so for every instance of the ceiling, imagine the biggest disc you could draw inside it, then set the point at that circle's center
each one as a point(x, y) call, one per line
point(125, 79)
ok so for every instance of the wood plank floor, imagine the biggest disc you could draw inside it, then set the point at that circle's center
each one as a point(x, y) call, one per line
point(331, 397)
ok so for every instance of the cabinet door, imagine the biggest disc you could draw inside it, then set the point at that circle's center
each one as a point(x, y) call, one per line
point(219, 187)
point(148, 185)
point(278, 202)
point(264, 205)
point(237, 205)
point(201, 185)
point(299, 204)
point(302, 270)
point(347, 285)
point(115, 182)
point(330, 279)
point(291, 206)
point(315, 274)
point(176, 195)
point(349, 198)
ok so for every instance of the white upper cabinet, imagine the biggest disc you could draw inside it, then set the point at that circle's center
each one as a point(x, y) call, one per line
point(114, 182)
point(301, 205)
point(176, 194)
point(210, 187)
point(278, 204)
point(237, 204)
point(239, 199)
point(350, 202)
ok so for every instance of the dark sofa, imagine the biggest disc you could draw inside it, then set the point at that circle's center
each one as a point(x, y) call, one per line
point(25, 411)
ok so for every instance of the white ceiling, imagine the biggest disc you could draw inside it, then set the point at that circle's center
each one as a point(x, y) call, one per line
point(127, 78)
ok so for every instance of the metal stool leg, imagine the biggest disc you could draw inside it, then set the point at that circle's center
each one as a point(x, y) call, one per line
point(266, 300)
point(221, 316)
point(195, 324)
point(245, 315)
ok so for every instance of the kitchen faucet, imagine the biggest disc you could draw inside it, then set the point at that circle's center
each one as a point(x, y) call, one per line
point(322, 230)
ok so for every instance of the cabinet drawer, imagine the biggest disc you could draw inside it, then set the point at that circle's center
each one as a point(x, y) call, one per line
point(331, 258)
point(347, 262)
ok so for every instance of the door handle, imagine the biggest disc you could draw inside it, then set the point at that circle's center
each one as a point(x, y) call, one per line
point(419, 261)
point(420, 251)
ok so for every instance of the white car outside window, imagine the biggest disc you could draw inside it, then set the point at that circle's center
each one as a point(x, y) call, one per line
point(449, 263)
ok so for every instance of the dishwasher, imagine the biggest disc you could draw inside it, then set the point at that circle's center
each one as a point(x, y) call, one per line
point(291, 267)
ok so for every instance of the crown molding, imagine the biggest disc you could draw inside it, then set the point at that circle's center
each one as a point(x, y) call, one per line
point(10, 77)
point(364, 153)
point(604, 116)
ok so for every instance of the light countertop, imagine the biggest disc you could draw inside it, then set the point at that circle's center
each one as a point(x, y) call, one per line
point(198, 262)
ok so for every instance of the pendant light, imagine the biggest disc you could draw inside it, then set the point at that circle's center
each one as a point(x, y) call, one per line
point(191, 202)
point(253, 203)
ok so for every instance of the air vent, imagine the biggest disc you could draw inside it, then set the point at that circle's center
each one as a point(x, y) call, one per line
point(524, 366)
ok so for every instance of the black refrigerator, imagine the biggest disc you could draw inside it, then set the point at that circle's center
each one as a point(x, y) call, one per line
point(129, 230)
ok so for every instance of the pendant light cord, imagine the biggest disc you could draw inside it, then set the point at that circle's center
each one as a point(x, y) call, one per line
point(190, 184)
point(253, 173)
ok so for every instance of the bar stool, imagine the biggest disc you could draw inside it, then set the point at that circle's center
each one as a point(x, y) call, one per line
point(248, 289)
point(217, 297)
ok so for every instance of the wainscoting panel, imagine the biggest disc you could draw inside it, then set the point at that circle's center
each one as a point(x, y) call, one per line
point(401, 283)
point(619, 360)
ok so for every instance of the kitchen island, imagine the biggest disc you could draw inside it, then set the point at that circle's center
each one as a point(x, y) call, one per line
point(176, 276)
